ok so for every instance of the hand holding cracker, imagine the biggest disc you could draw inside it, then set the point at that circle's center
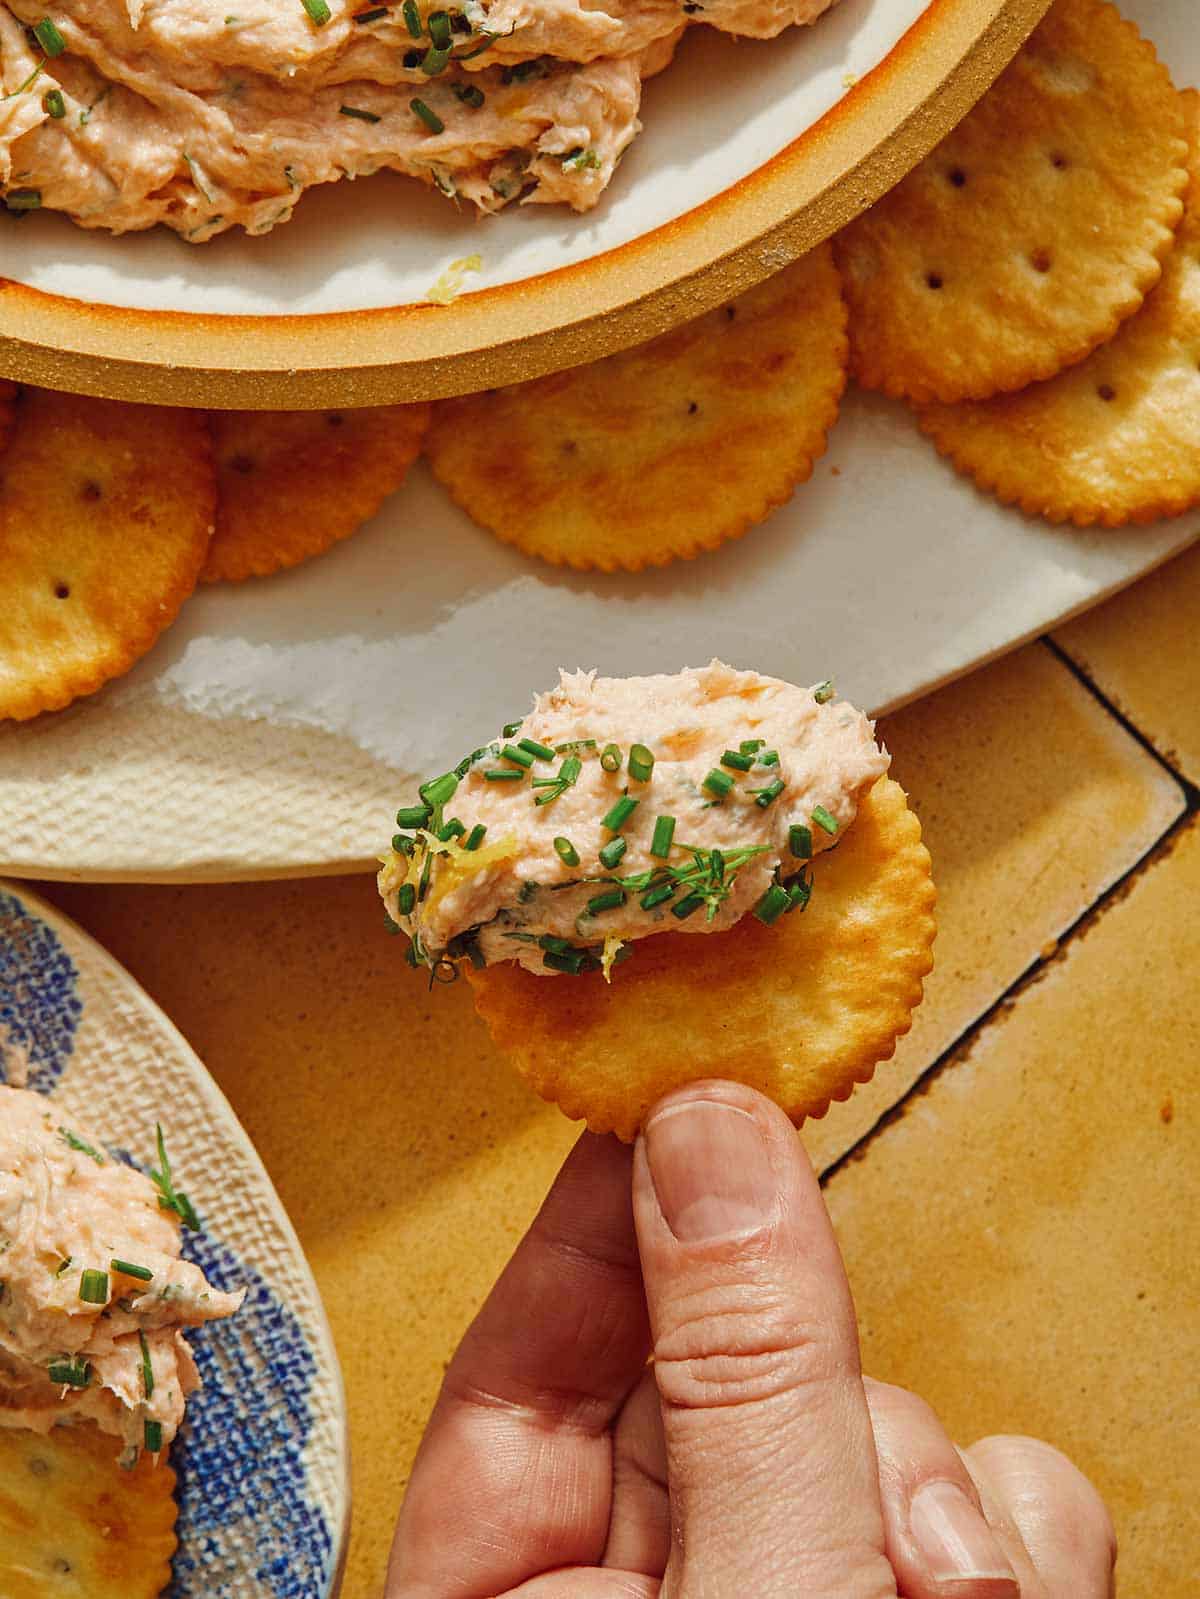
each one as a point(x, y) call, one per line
point(752, 1457)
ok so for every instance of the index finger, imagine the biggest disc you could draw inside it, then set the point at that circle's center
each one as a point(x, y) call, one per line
point(514, 1475)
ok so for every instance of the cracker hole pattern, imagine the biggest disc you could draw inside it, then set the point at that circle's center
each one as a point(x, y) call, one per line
point(934, 280)
point(1106, 392)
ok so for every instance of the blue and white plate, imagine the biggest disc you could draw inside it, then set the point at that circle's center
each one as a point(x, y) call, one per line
point(263, 1457)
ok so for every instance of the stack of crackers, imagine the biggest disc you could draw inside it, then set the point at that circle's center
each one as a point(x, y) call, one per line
point(1031, 289)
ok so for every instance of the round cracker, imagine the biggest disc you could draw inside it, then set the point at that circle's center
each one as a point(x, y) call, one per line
point(802, 1010)
point(1033, 230)
point(664, 450)
point(1116, 439)
point(73, 1522)
point(105, 517)
point(292, 483)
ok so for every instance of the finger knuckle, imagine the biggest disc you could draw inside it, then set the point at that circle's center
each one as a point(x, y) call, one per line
point(730, 1348)
point(1040, 1474)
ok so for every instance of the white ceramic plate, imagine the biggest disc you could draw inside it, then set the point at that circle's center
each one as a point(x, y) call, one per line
point(796, 134)
point(273, 728)
point(262, 1458)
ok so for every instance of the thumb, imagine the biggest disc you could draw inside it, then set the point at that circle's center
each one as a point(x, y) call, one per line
point(772, 1470)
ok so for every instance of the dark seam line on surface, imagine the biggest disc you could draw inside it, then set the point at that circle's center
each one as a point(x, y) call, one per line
point(1191, 791)
point(1091, 913)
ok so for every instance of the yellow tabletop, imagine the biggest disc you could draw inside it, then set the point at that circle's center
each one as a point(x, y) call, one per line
point(1017, 1193)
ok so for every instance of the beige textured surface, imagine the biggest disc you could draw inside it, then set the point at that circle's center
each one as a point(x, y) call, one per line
point(138, 783)
point(1142, 649)
point(408, 1153)
point(1033, 802)
point(1045, 1281)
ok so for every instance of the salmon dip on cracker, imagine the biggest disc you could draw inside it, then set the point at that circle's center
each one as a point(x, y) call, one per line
point(620, 808)
point(203, 117)
point(93, 1294)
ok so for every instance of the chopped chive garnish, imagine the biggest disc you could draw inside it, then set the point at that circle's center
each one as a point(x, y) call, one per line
point(566, 851)
point(23, 199)
point(718, 783)
point(48, 36)
point(823, 819)
point(664, 832)
point(426, 874)
point(93, 1287)
point(412, 21)
point(389, 926)
point(687, 907)
point(438, 23)
point(799, 893)
point(513, 752)
point(406, 899)
point(154, 1436)
point(800, 842)
point(427, 115)
point(573, 746)
point(555, 946)
point(451, 830)
point(439, 789)
point(768, 796)
point(503, 774)
point(73, 1141)
point(557, 785)
point(572, 962)
point(751, 746)
point(736, 760)
point(434, 61)
point(53, 103)
point(610, 855)
point(469, 94)
point(610, 758)
point(403, 843)
point(540, 752)
point(126, 1268)
point(373, 15)
point(772, 905)
point(169, 1198)
point(64, 1266)
point(769, 758)
point(641, 762)
point(607, 901)
point(486, 42)
point(823, 692)
point(620, 814)
point(656, 896)
point(510, 729)
point(412, 816)
point(147, 1368)
point(475, 837)
point(72, 1371)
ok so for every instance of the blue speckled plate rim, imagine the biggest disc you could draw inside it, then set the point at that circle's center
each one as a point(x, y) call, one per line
point(110, 969)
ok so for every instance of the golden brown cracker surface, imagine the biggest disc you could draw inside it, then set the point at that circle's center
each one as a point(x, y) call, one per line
point(802, 1010)
point(73, 1525)
point(1117, 438)
point(292, 483)
point(662, 451)
point(1033, 230)
point(105, 516)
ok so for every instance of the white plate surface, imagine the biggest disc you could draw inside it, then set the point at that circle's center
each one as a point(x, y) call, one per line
point(262, 1459)
point(275, 726)
point(384, 241)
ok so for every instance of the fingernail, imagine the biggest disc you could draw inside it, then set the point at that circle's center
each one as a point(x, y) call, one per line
point(711, 1172)
point(954, 1538)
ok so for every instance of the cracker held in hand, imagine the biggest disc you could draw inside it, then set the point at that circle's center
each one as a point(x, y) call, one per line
point(1033, 230)
point(803, 1011)
point(8, 403)
point(662, 451)
point(657, 879)
point(105, 518)
point(1116, 439)
point(292, 483)
point(73, 1525)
